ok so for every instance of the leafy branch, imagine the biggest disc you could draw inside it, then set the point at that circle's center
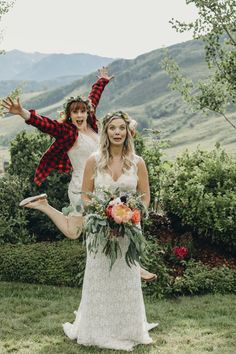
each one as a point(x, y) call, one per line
point(216, 27)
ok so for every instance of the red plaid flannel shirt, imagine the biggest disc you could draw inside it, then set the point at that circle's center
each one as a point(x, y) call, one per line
point(56, 158)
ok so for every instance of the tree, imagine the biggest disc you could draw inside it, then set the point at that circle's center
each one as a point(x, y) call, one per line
point(216, 27)
point(4, 9)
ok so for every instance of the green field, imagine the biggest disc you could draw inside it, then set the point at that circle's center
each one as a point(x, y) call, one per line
point(31, 318)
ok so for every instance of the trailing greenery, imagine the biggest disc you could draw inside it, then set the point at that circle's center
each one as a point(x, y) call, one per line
point(56, 263)
point(200, 189)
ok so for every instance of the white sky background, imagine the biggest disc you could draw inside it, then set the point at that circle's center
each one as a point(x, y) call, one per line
point(112, 28)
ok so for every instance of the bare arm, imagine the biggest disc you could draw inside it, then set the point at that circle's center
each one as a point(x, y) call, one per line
point(88, 179)
point(143, 182)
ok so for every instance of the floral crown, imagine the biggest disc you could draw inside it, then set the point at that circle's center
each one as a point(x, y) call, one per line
point(81, 99)
point(120, 114)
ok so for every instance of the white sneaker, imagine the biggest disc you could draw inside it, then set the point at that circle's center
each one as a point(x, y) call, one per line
point(32, 199)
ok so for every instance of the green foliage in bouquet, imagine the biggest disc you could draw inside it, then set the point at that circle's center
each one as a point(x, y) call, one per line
point(200, 189)
point(111, 215)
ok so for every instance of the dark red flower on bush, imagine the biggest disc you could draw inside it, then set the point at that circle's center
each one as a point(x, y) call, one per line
point(180, 252)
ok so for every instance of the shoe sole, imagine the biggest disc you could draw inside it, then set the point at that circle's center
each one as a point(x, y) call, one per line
point(32, 199)
point(149, 279)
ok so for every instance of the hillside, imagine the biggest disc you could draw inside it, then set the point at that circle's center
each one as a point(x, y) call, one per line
point(17, 65)
point(30, 86)
point(141, 88)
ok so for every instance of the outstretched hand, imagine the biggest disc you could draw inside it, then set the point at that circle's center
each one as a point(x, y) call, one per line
point(103, 74)
point(13, 107)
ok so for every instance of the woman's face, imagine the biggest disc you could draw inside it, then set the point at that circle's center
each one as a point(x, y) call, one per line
point(79, 114)
point(117, 131)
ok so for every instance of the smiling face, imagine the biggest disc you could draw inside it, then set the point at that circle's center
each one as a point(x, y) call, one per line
point(78, 114)
point(117, 131)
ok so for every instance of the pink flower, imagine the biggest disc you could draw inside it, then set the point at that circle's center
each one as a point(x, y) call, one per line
point(109, 210)
point(121, 213)
point(180, 252)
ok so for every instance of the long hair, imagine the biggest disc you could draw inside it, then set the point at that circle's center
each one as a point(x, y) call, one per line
point(104, 146)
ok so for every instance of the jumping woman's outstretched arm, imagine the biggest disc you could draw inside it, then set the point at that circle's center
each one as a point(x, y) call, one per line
point(97, 89)
point(44, 124)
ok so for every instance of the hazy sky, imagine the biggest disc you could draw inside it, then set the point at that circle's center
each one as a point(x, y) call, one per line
point(112, 28)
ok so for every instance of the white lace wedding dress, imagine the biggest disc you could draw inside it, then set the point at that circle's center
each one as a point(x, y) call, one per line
point(111, 312)
point(78, 155)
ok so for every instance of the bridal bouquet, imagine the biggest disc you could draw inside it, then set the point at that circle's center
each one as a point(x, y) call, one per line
point(116, 215)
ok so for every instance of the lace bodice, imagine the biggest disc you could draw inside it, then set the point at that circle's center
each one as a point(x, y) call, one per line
point(127, 182)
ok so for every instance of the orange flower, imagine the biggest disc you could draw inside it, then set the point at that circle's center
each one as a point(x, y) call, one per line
point(121, 213)
point(136, 216)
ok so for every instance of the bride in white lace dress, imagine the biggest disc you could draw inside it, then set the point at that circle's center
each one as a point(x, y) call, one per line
point(112, 313)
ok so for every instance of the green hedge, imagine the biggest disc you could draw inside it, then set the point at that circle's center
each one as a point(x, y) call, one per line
point(62, 263)
point(200, 189)
point(57, 263)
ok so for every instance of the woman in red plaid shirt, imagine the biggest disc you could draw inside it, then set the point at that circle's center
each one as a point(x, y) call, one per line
point(76, 137)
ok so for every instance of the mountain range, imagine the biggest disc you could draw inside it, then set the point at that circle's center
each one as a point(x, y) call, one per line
point(17, 65)
point(141, 88)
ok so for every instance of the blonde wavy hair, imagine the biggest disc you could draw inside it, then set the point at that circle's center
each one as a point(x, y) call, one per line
point(104, 146)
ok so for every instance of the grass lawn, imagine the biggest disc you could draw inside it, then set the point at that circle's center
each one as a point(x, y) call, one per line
point(31, 318)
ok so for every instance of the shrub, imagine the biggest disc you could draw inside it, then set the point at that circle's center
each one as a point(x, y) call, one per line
point(62, 263)
point(200, 189)
point(152, 155)
point(154, 262)
point(13, 220)
point(56, 263)
point(139, 144)
point(200, 279)
point(26, 150)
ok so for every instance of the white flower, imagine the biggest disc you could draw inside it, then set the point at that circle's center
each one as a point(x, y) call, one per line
point(115, 201)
